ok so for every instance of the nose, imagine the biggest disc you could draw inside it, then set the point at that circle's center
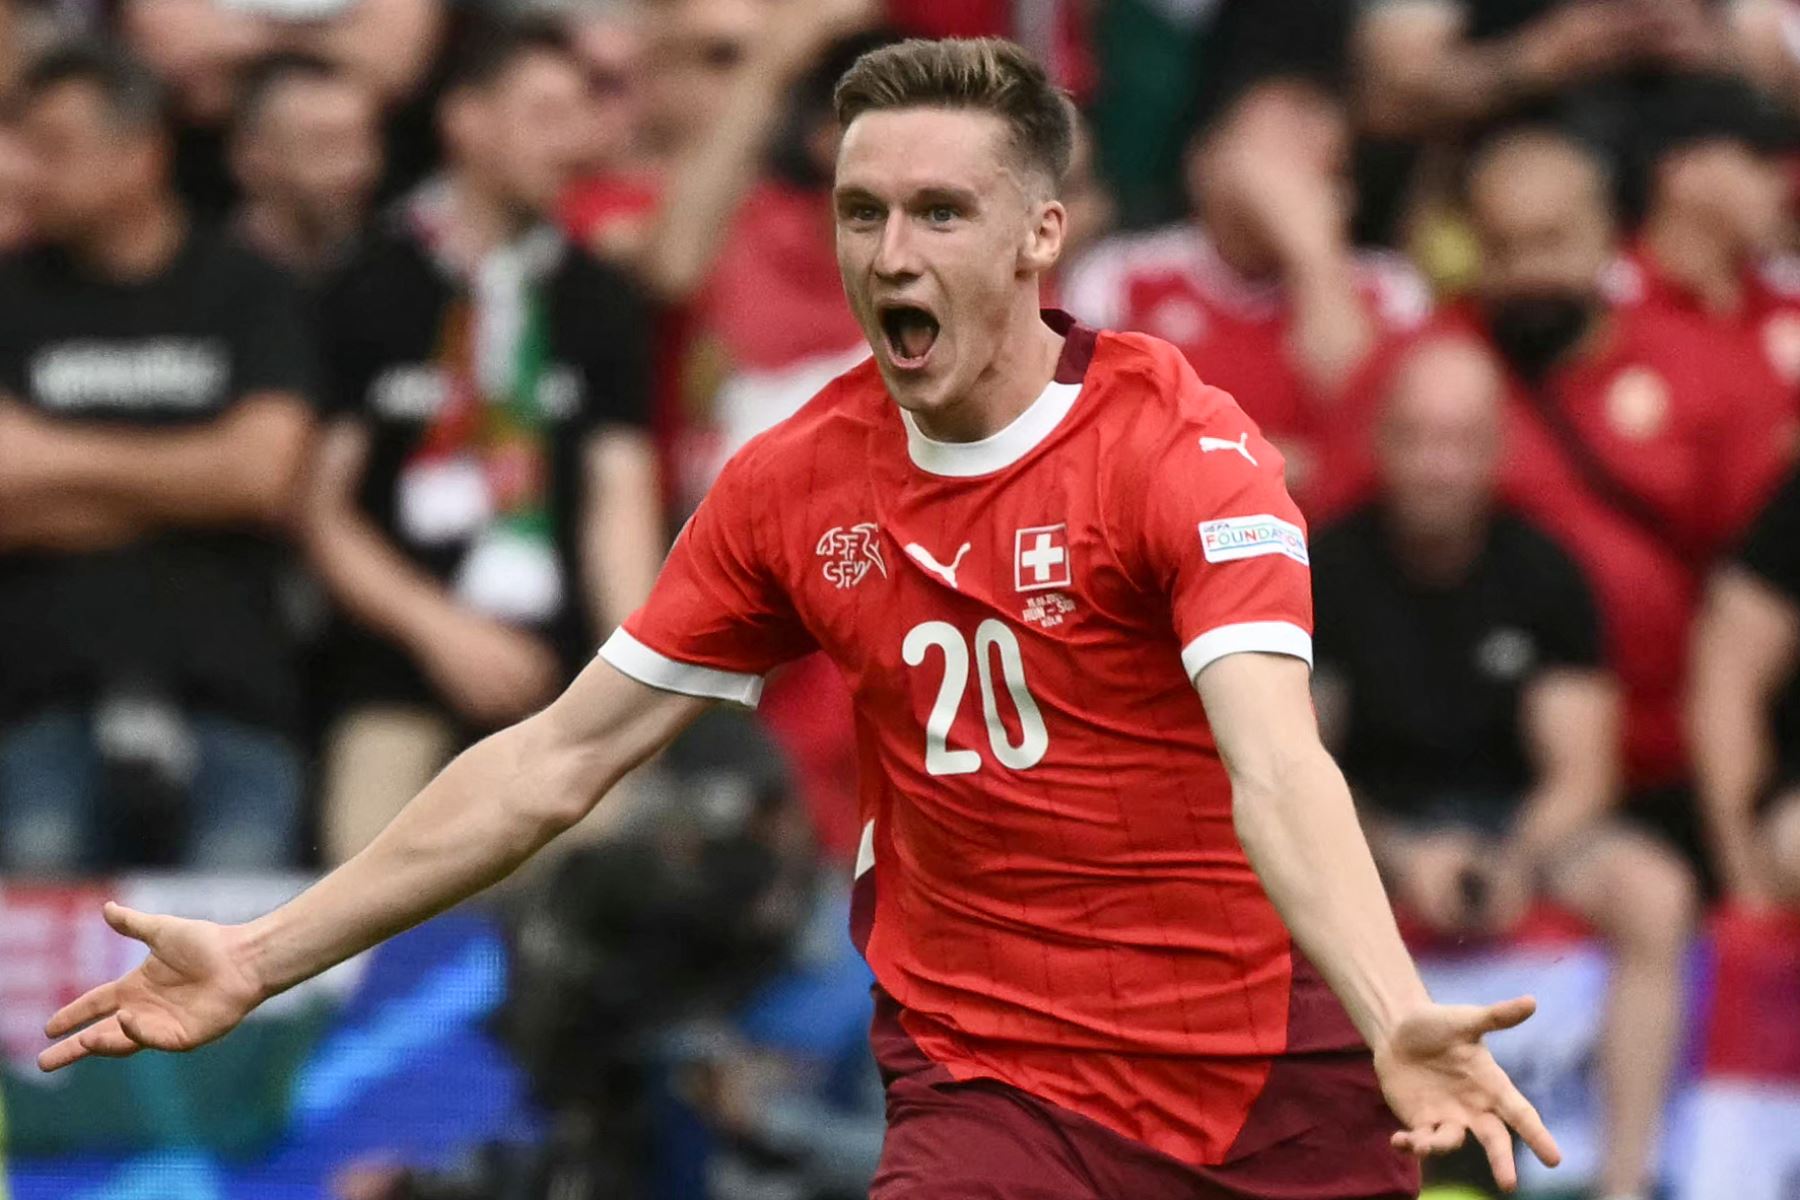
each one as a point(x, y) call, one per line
point(896, 258)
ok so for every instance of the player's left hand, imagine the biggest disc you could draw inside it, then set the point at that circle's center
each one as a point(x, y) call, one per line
point(1444, 1085)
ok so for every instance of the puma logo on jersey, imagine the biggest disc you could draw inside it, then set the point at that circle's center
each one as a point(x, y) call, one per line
point(1242, 445)
point(923, 557)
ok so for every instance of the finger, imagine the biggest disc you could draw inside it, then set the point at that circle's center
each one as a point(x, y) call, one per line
point(56, 1057)
point(1504, 1015)
point(94, 1004)
point(108, 1039)
point(1498, 1143)
point(133, 924)
point(1518, 1112)
point(134, 1029)
point(1424, 1141)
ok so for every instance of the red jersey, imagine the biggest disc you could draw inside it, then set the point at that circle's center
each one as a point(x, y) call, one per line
point(1236, 333)
point(1769, 319)
point(1695, 431)
point(1050, 886)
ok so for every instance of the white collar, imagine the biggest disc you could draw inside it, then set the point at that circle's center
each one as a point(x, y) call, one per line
point(997, 451)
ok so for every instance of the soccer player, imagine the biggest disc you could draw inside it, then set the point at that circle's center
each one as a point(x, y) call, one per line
point(1070, 597)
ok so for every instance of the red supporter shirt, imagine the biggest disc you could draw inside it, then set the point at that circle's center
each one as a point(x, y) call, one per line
point(1049, 885)
point(1770, 318)
point(1236, 333)
point(1696, 429)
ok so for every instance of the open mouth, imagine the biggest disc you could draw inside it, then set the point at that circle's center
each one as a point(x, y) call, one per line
point(911, 333)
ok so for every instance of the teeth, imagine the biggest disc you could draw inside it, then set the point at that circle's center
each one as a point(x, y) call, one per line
point(911, 331)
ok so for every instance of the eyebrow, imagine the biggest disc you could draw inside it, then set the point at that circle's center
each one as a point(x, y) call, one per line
point(929, 195)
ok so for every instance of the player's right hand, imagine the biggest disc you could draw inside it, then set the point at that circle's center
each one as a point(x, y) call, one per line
point(1444, 1086)
point(194, 988)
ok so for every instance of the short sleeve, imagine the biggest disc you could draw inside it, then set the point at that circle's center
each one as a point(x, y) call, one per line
point(1221, 540)
point(607, 317)
point(719, 617)
point(1569, 632)
point(1771, 550)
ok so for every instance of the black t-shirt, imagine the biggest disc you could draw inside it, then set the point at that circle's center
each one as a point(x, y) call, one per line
point(194, 612)
point(1771, 551)
point(480, 478)
point(1435, 676)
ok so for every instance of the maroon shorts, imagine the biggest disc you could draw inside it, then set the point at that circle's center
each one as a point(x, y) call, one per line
point(984, 1140)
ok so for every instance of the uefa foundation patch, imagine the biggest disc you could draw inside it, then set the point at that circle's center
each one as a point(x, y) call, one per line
point(1232, 538)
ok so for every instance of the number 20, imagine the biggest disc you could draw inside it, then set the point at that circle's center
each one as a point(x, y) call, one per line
point(1034, 739)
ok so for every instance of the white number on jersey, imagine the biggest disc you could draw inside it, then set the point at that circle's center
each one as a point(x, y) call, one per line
point(990, 635)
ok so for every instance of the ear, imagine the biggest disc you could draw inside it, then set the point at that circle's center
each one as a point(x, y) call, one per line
point(1044, 240)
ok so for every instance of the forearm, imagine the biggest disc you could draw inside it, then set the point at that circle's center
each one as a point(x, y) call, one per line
point(1555, 811)
point(64, 523)
point(490, 810)
point(1448, 90)
point(1300, 833)
point(240, 468)
point(375, 583)
point(696, 213)
point(1332, 333)
point(1733, 758)
point(623, 527)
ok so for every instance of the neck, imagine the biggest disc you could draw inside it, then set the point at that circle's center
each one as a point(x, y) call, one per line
point(1437, 557)
point(1006, 387)
point(481, 220)
point(1695, 255)
point(137, 245)
point(283, 234)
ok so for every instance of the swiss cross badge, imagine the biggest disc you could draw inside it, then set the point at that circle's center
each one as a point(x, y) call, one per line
point(1041, 558)
point(849, 553)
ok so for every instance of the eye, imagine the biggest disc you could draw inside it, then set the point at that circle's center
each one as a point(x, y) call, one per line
point(940, 214)
point(861, 213)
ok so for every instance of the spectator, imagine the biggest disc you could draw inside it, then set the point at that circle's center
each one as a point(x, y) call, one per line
point(1262, 291)
point(205, 48)
point(1745, 712)
point(1719, 199)
point(1431, 67)
point(1637, 437)
point(484, 501)
point(151, 384)
point(307, 156)
point(1460, 675)
point(608, 37)
point(745, 235)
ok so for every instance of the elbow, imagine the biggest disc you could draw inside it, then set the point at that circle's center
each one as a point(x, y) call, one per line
point(268, 458)
point(561, 781)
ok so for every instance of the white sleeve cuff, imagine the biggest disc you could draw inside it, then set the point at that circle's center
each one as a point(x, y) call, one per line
point(631, 657)
point(1266, 637)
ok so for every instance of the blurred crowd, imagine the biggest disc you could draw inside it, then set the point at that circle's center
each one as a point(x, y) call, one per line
point(358, 359)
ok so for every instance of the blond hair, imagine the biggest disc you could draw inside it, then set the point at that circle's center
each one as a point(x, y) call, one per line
point(981, 74)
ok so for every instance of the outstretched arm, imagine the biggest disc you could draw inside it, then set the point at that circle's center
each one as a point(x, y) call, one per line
point(490, 810)
point(1298, 827)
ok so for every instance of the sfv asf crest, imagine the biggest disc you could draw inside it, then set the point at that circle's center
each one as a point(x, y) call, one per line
point(849, 553)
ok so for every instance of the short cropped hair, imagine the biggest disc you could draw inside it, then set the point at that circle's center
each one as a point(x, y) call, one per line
point(490, 51)
point(134, 97)
point(981, 74)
